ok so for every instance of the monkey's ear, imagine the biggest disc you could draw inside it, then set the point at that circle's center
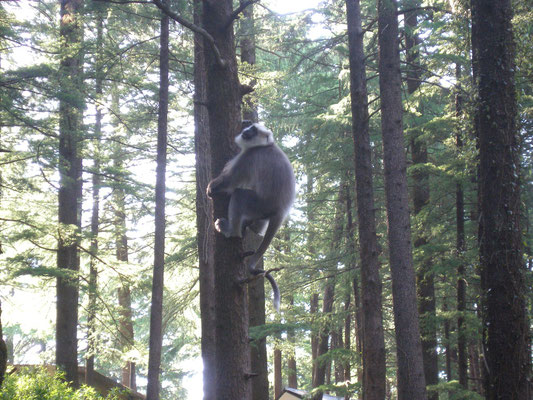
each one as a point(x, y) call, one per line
point(246, 123)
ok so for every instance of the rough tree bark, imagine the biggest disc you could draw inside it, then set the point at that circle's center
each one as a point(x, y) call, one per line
point(156, 311)
point(204, 212)
point(504, 316)
point(411, 382)
point(70, 187)
point(256, 288)
point(372, 321)
point(224, 111)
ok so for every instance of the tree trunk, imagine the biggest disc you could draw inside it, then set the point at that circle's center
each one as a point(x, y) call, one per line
point(204, 211)
point(258, 351)
point(424, 278)
point(224, 110)
point(95, 216)
point(70, 187)
point(156, 312)
point(505, 324)
point(460, 247)
point(292, 376)
point(448, 349)
point(3, 351)
point(323, 338)
point(323, 367)
point(256, 288)
point(411, 382)
point(313, 309)
point(372, 321)
point(278, 378)
point(347, 337)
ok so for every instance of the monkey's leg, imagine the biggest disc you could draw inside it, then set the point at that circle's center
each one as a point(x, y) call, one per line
point(244, 208)
point(259, 226)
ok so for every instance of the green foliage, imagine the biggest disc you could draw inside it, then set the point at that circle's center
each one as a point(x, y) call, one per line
point(39, 384)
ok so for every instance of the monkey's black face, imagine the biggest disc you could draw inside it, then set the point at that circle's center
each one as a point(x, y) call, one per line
point(249, 133)
point(254, 136)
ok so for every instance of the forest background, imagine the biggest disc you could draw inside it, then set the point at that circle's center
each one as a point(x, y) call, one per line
point(301, 90)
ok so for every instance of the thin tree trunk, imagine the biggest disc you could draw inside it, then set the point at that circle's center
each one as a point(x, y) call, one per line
point(357, 311)
point(224, 110)
point(278, 378)
point(156, 312)
point(505, 324)
point(371, 323)
point(124, 293)
point(347, 337)
point(411, 382)
point(323, 367)
point(313, 309)
point(447, 344)
point(95, 216)
point(70, 188)
point(460, 247)
point(3, 352)
point(204, 211)
point(421, 196)
point(476, 376)
point(292, 376)
point(323, 339)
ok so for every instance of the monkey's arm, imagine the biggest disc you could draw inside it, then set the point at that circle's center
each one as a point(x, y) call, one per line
point(218, 185)
point(230, 178)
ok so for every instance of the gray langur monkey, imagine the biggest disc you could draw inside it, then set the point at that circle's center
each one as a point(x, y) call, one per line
point(260, 181)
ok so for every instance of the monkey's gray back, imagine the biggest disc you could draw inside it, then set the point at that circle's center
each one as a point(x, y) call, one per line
point(268, 172)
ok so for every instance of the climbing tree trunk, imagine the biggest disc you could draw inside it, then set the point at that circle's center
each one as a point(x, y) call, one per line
point(505, 325)
point(204, 212)
point(156, 311)
point(256, 288)
point(411, 382)
point(373, 342)
point(70, 187)
point(224, 113)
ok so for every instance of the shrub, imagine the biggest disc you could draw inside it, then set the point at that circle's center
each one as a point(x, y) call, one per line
point(39, 384)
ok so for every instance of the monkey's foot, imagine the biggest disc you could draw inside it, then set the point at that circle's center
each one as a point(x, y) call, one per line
point(221, 225)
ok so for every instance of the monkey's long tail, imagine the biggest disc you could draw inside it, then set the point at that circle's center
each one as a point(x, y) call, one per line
point(275, 288)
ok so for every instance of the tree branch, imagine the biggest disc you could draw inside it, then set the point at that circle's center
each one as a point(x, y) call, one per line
point(235, 14)
point(195, 28)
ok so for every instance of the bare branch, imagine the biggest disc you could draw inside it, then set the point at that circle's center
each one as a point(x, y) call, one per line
point(235, 14)
point(195, 28)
